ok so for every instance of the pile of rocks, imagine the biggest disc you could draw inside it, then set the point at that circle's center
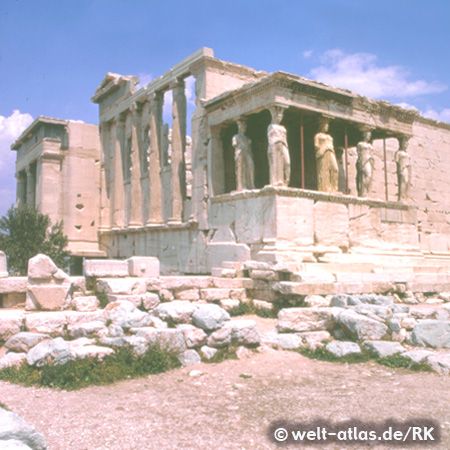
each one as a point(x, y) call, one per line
point(192, 331)
point(373, 323)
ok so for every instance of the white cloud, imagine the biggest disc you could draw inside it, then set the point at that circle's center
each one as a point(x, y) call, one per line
point(443, 116)
point(10, 129)
point(307, 54)
point(144, 79)
point(361, 73)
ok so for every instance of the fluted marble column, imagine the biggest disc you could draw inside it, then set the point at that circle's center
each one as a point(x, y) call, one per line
point(178, 178)
point(136, 198)
point(21, 197)
point(31, 187)
point(156, 121)
point(117, 128)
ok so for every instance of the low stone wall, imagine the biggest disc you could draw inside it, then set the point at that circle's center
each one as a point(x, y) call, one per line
point(349, 312)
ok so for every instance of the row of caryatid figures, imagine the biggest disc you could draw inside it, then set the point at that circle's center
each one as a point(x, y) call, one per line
point(326, 162)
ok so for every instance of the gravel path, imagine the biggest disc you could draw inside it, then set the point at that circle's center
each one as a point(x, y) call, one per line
point(222, 410)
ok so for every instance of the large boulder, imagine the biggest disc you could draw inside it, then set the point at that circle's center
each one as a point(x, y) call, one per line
point(209, 317)
point(177, 311)
point(126, 315)
point(431, 333)
point(384, 348)
point(13, 427)
point(12, 359)
point(305, 319)
point(343, 348)
point(361, 327)
point(243, 332)
point(24, 341)
point(56, 351)
point(41, 267)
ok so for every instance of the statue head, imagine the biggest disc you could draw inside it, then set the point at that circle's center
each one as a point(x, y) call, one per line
point(403, 143)
point(242, 125)
point(324, 124)
point(277, 114)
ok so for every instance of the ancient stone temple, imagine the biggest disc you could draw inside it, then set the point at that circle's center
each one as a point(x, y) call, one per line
point(57, 171)
point(281, 168)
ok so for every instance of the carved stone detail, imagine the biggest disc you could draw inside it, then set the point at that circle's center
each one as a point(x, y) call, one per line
point(364, 164)
point(278, 151)
point(243, 158)
point(327, 166)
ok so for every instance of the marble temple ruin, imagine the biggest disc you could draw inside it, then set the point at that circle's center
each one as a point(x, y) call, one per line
point(270, 167)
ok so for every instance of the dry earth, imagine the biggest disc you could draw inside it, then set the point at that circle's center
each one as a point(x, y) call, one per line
point(222, 410)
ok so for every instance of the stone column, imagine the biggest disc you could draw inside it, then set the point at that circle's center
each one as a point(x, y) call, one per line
point(278, 151)
point(156, 121)
point(136, 199)
point(178, 178)
point(31, 187)
point(117, 210)
point(21, 192)
point(105, 176)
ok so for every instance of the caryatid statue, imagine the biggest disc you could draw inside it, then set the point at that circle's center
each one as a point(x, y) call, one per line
point(243, 158)
point(278, 151)
point(403, 161)
point(364, 164)
point(327, 166)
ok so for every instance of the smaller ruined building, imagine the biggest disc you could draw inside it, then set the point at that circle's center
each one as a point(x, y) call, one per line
point(58, 171)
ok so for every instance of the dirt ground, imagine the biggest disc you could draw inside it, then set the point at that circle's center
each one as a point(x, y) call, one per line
point(223, 410)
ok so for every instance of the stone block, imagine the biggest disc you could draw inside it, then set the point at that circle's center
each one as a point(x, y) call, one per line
point(171, 340)
point(343, 348)
point(209, 317)
point(384, 349)
point(188, 294)
point(122, 286)
point(150, 301)
point(3, 266)
point(315, 339)
point(193, 336)
point(47, 297)
point(268, 275)
point(417, 356)
point(295, 220)
point(105, 268)
point(439, 363)
point(76, 317)
point(13, 285)
point(143, 266)
point(87, 329)
point(14, 428)
point(84, 304)
point(12, 359)
point(56, 351)
point(229, 304)
point(10, 323)
point(135, 299)
point(325, 214)
point(126, 315)
point(22, 342)
point(207, 353)
point(180, 283)
point(53, 323)
point(189, 358)
point(431, 333)
point(317, 300)
point(288, 341)
point(177, 311)
point(361, 327)
point(216, 253)
point(243, 332)
point(41, 267)
point(220, 338)
point(305, 319)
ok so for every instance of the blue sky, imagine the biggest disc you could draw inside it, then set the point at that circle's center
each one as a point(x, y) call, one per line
point(54, 53)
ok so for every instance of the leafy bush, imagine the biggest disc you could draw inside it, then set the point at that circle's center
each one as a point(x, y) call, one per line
point(25, 232)
point(85, 372)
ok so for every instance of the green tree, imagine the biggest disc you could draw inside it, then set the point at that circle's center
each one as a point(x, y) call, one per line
point(25, 232)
